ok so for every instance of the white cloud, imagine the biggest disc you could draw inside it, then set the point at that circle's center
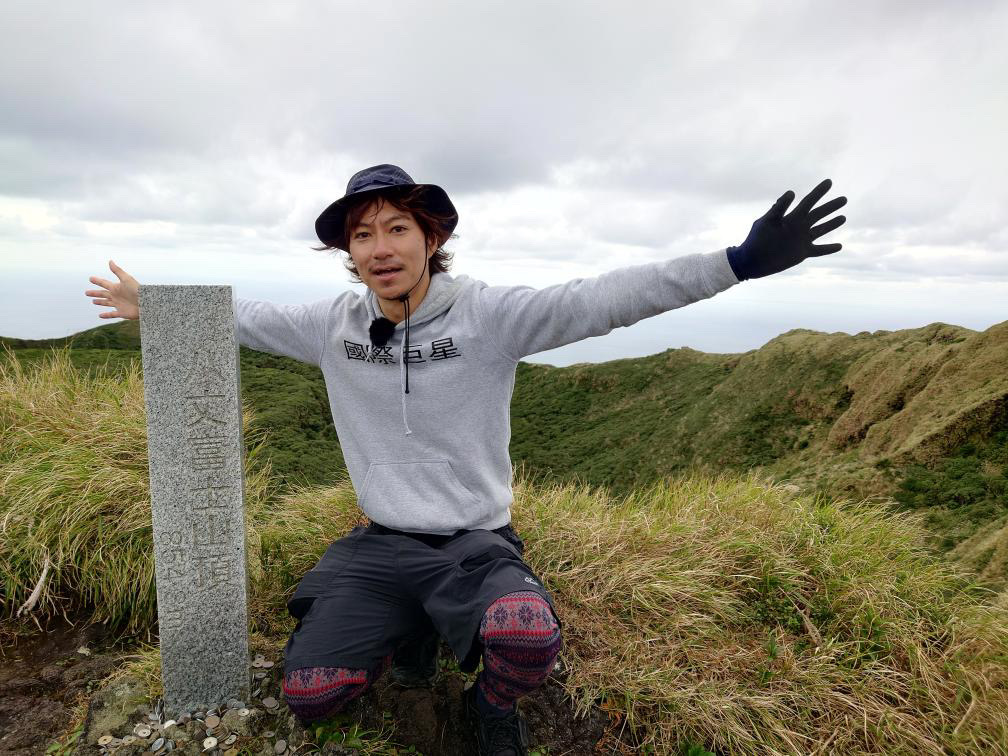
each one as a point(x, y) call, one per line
point(573, 137)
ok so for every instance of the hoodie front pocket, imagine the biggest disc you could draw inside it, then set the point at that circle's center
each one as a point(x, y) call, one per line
point(422, 495)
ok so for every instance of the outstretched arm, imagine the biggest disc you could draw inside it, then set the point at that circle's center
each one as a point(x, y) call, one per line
point(289, 330)
point(524, 321)
point(296, 331)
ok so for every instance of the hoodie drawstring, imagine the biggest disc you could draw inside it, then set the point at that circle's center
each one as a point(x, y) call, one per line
point(404, 369)
point(381, 330)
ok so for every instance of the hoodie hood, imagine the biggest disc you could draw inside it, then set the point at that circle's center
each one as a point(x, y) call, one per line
point(444, 289)
point(441, 295)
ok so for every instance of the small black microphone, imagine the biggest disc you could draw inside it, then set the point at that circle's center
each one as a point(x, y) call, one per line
point(381, 331)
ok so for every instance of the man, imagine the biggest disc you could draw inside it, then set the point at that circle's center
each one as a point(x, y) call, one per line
point(428, 453)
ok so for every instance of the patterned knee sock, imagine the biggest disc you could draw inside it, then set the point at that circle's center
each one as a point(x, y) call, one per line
point(521, 641)
point(318, 692)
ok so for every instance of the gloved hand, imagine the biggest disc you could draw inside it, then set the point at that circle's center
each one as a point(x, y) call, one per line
point(777, 241)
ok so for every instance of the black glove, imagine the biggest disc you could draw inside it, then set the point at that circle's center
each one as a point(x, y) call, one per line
point(777, 242)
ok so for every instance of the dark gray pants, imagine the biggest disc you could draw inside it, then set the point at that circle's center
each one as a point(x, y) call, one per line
point(375, 587)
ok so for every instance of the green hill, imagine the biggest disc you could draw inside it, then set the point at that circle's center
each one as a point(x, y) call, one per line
point(743, 614)
point(121, 334)
point(917, 418)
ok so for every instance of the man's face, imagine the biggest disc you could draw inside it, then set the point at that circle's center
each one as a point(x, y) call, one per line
point(389, 250)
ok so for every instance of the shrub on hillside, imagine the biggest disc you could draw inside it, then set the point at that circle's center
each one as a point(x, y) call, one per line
point(962, 494)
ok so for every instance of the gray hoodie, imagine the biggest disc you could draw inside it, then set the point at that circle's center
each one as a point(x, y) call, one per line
point(435, 460)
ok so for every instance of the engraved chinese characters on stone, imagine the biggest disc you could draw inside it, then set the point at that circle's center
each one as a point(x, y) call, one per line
point(194, 437)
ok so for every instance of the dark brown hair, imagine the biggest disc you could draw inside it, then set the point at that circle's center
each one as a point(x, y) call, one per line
point(410, 199)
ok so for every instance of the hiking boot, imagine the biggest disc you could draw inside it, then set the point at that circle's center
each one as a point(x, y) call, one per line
point(497, 736)
point(415, 662)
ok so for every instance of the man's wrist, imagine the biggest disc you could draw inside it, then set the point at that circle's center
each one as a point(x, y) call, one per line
point(735, 261)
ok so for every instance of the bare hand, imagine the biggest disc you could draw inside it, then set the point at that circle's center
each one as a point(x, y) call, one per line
point(123, 296)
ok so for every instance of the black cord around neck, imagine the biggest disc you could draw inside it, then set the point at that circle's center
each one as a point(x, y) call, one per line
point(382, 328)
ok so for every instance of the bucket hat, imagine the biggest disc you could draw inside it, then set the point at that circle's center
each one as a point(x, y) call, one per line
point(330, 224)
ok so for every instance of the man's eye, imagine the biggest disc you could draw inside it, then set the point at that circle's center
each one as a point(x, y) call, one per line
point(360, 234)
point(396, 228)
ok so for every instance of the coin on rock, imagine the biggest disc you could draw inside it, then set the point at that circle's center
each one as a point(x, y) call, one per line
point(270, 703)
point(142, 731)
point(104, 740)
point(168, 724)
point(259, 675)
point(209, 743)
point(269, 734)
point(212, 721)
point(129, 740)
point(280, 747)
point(230, 739)
point(244, 712)
point(268, 665)
point(157, 745)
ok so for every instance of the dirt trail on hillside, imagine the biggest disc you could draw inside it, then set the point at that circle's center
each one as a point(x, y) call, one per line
point(44, 677)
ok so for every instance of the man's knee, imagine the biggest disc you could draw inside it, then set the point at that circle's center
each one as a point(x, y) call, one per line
point(314, 693)
point(521, 641)
point(523, 619)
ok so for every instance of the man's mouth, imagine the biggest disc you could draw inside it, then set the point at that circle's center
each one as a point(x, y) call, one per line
point(386, 273)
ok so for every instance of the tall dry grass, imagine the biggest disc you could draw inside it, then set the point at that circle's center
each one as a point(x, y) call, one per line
point(732, 613)
point(713, 609)
point(293, 532)
point(75, 510)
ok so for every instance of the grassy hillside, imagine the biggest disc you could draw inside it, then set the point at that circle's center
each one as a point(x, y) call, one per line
point(288, 397)
point(121, 334)
point(916, 417)
point(718, 610)
point(810, 406)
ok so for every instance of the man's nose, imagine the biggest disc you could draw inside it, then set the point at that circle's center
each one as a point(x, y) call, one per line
point(383, 246)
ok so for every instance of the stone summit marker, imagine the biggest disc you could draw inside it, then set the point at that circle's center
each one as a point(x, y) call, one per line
point(192, 392)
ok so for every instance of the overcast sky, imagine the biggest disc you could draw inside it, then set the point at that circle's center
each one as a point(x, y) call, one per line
point(197, 142)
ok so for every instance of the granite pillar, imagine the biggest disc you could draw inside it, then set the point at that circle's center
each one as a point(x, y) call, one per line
point(194, 438)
